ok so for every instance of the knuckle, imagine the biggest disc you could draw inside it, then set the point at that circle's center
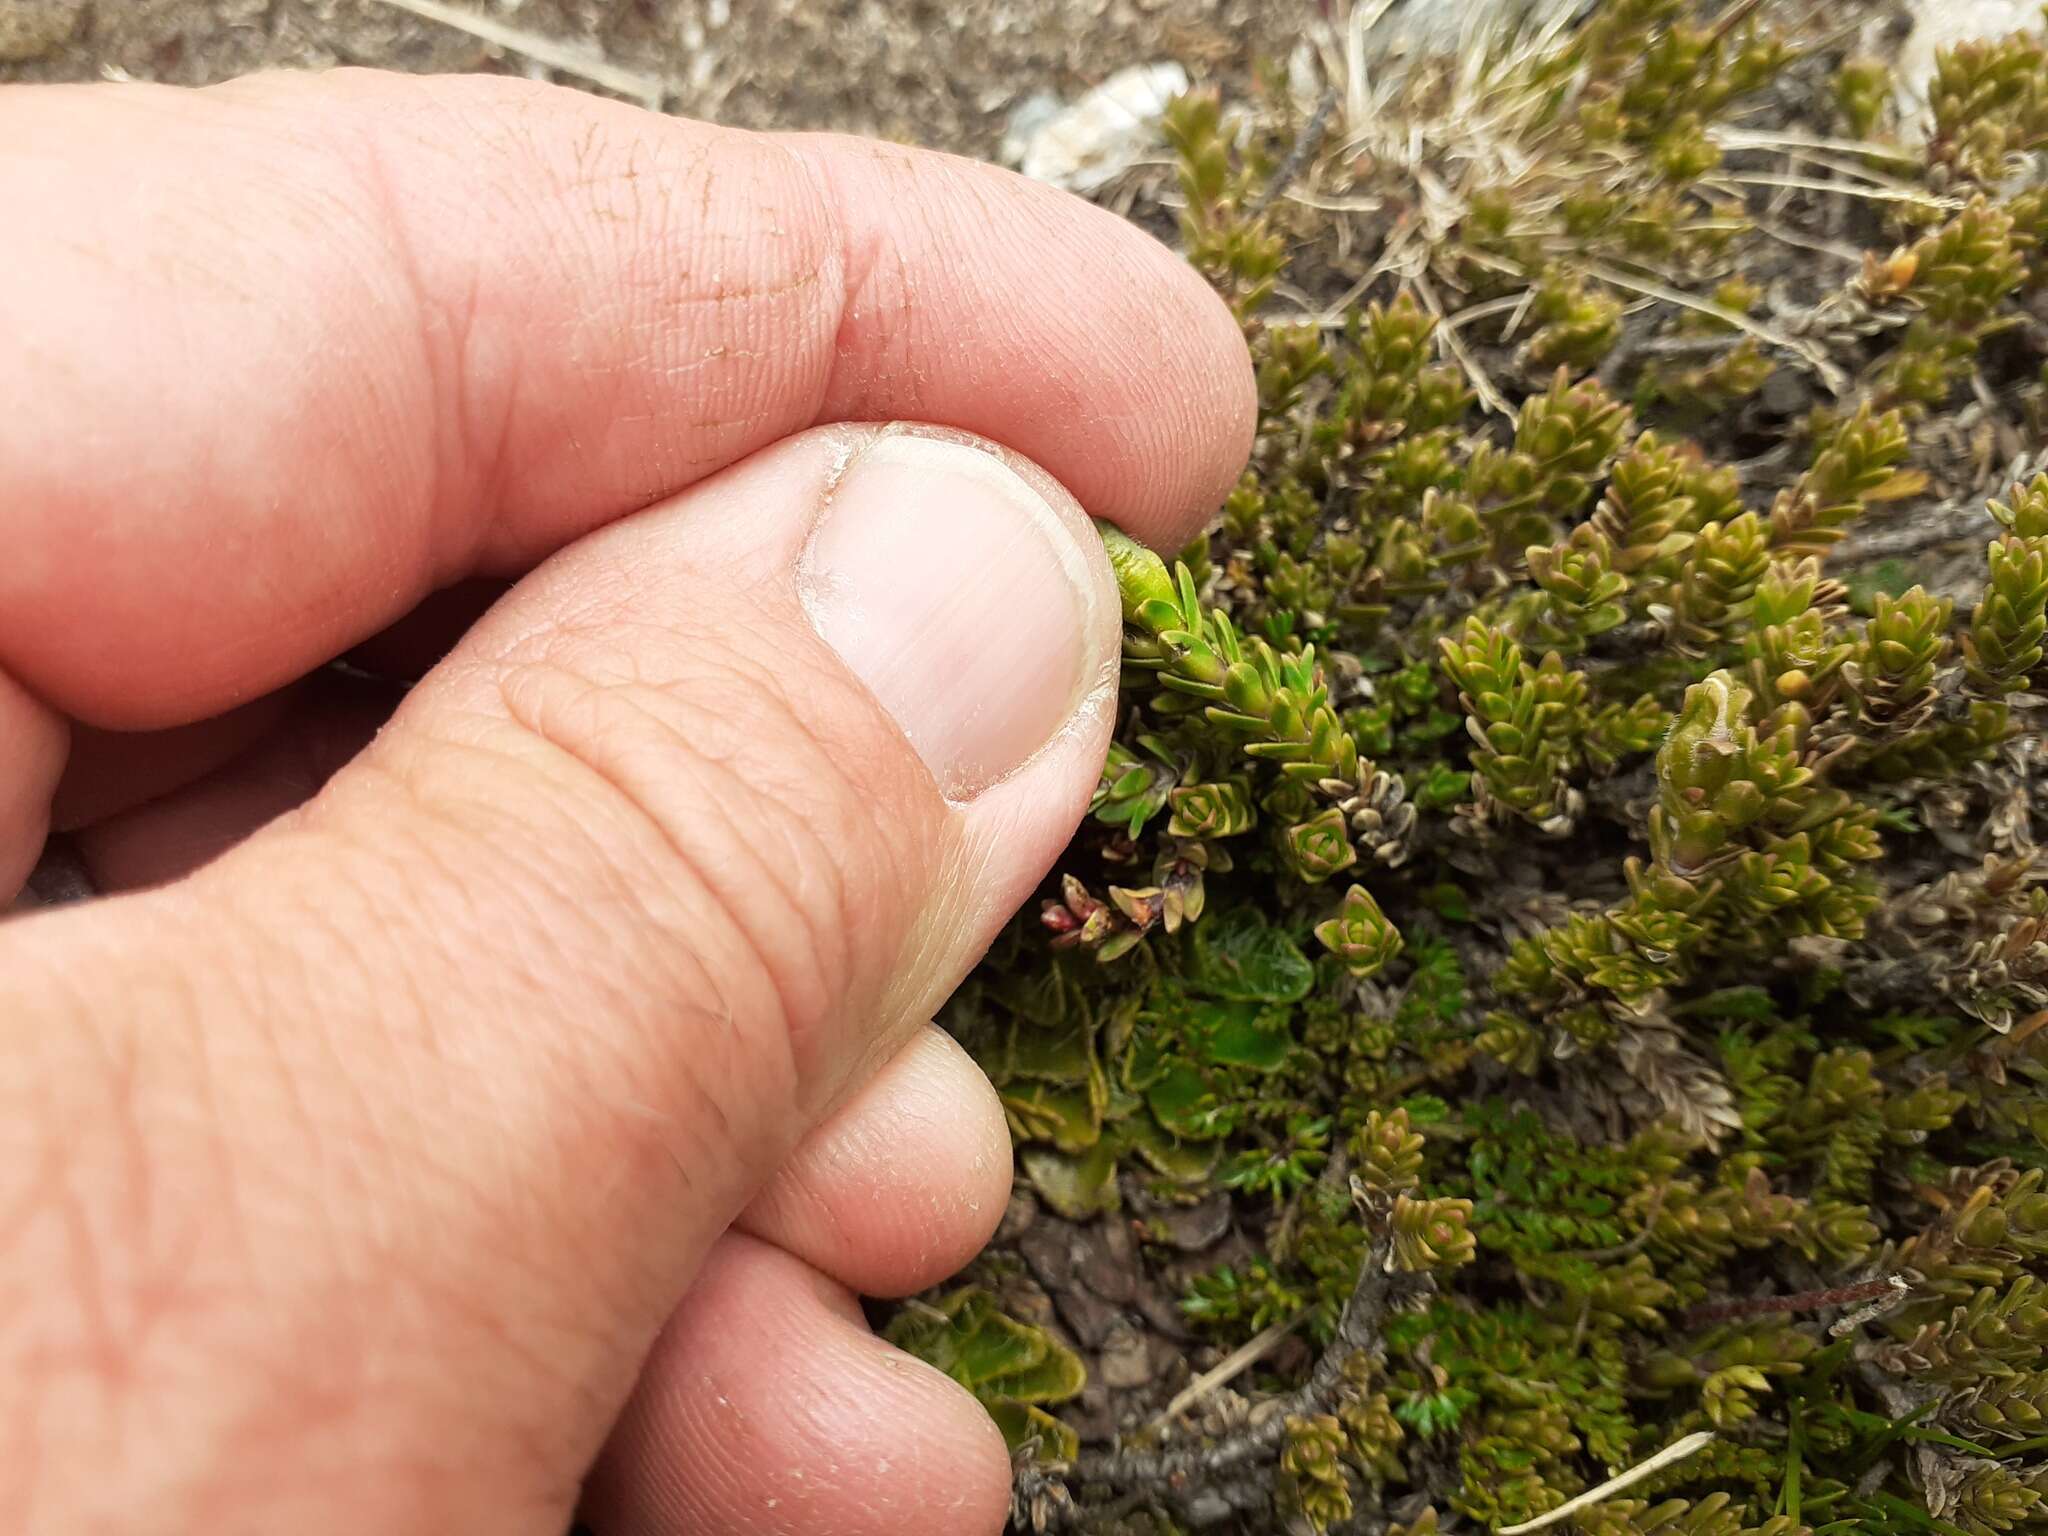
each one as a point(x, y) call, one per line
point(779, 836)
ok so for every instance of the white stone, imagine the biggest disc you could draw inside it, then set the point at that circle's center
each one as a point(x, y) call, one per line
point(1941, 24)
point(1082, 146)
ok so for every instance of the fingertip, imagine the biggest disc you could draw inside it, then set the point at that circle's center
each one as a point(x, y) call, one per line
point(767, 1407)
point(34, 743)
point(1166, 417)
point(904, 1184)
point(110, 772)
point(1221, 397)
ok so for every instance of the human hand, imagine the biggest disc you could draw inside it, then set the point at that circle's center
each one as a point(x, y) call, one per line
point(573, 1034)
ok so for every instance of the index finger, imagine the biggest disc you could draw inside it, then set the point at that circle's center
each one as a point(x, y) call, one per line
point(289, 354)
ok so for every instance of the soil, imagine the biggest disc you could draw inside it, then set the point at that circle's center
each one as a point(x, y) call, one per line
point(945, 73)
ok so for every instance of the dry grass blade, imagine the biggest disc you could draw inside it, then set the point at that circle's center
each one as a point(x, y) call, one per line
point(1852, 254)
point(1357, 23)
point(1228, 1369)
point(648, 90)
point(1732, 18)
point(1472, 312)
point(1324, 204)
point(1824, 369)
point(1786, 138)
point(1678, 1450)
point(1482, 383)
point(1876, 194)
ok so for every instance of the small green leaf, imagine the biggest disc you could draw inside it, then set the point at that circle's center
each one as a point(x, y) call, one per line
point(1241, 1035)
point(1181, 1100)
point(1077, 1187)
point(1180, 1161)
point(1426, 1109)
point(1238, 955)
point(1023, 1424)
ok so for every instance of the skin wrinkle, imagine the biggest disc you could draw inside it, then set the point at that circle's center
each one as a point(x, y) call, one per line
point(43, 1175)
point(54, 1192)
point(449, 418)
point(96, 1353)
point(370, 1269)
point(299, 1406)
point(382, 1122)
point(402, 867)
point(898, 294)
point(55, 1148)
point(590, 757)
point(511, 365)
point(523, 1347)
point(436, 1295)
point(108, 1313)
point(409, 1134)
point(805, 849)
point(391, 252)
point(840, 1234)
point(516, 976)
point(788, 340)
point(825, 933)
point(457, 338)
point(118, 1324)
point(591, 612)
point(765, 786)
point(595, 148)
point(443, 332)
point(853, 264)
point(168, 1257)
point(532, 974)
point(628, 980)
point(672, 300)
point(798, 1018)
point(1165, 416)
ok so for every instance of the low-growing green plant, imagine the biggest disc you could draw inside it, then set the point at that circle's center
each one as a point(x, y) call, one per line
point(1594, 940)
point(1012, 1368)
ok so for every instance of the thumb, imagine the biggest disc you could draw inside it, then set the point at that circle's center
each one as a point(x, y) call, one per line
point(440, 1087)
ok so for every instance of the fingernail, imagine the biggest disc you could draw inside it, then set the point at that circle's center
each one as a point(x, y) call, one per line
point(963, 598)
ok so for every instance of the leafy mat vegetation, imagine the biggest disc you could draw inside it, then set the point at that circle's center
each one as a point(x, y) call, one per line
point(1583, 913)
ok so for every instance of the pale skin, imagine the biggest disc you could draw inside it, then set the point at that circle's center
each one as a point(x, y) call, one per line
point(496, 1120)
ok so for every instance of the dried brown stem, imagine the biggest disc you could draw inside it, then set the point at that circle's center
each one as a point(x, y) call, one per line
point(1201, 1483)
point(1798, 1301)
point(1306, 143)
point(584, 64)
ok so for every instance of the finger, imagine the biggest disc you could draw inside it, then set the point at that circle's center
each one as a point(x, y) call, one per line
point(286, 355)
point(904, 1184)
point(444, 1084)
point(109, 772)
point(327, 723)
point(768, 1408)
point(34, 740)
point(404, 651)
